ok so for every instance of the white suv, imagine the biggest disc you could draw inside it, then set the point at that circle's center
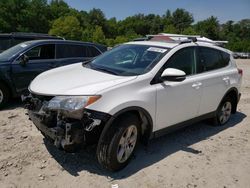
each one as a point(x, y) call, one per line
point(132, 93)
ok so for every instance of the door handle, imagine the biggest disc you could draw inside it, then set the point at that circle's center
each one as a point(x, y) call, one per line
point(197, 85)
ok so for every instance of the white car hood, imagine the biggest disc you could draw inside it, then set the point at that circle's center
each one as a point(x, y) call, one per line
point(74, 80)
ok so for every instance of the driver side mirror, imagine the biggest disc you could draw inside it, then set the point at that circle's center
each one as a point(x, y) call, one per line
point(174, 75)
point(23, 60)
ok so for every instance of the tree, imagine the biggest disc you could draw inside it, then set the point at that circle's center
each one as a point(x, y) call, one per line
point(58, 8)
point(36, 17)
point(209, 28)
point(98, 35)
point(68, 27)
point(181, 19)
point(189, 31)
point(12, 15)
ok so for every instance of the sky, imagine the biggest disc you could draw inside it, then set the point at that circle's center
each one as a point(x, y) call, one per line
point(224, 10)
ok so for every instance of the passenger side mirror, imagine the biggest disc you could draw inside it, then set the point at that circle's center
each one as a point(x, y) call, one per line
point(174, 75)
point(23, 60)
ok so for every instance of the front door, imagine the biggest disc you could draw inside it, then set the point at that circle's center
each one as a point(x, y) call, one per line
point(41, 58)
point(179, 101)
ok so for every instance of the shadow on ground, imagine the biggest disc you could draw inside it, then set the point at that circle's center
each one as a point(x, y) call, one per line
point(13, 104)
point(157, 150)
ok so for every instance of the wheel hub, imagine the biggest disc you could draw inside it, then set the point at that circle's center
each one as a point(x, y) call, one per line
point(127, 143)
point(225, 112)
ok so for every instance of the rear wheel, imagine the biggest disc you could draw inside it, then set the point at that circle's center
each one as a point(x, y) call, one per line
point(224, 111)
point(4, 95)
point(119, 143)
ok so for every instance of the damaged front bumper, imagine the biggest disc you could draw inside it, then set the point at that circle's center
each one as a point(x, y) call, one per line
point(65, 132)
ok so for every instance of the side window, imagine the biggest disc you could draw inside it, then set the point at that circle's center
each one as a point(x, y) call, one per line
point(69, 51)
point(46, 51)
point(93, 52)
point(226, 59)
point(184, 59)
point(211, 59)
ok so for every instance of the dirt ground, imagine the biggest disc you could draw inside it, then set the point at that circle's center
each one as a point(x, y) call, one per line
point(197, 156)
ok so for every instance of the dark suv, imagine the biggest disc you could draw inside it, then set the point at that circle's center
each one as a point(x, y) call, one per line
point(8, 40)
point(23, 62)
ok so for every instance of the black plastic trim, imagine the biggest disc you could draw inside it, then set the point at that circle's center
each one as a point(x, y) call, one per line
point(177, 126)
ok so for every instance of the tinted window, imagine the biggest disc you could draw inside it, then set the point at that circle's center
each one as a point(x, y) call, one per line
point(42, 52)
point(68, 51)
point(184, 60)
point(226, 59)
point(93, 52)
point(211, 59)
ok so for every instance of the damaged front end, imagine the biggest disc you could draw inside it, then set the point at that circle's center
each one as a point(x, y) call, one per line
point(65, 120)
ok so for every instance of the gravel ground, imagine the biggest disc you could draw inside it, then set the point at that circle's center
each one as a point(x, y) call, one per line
point(197, 156)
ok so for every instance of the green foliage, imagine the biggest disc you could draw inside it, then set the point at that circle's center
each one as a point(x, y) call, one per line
point(209, 28)
point(181, 19)
point(68, 27)
point(57, 18)
point(98, 35)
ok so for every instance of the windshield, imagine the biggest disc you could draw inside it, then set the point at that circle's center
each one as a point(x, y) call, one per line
point(11, 52)
point(128, 59)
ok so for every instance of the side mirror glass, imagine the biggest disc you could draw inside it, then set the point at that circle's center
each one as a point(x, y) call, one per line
point(23, 60)
point(174, 75)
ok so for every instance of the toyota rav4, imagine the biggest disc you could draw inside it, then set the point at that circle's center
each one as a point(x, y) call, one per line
point(134, 92)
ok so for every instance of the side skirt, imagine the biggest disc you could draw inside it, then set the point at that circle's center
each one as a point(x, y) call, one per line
point(181, 125)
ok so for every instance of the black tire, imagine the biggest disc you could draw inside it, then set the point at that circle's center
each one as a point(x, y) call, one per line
point(225, 109)
point(4, 95)
point(107, 150)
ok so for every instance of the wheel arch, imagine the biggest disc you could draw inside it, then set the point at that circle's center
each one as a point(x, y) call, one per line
point(234, 94)
point(146, 121)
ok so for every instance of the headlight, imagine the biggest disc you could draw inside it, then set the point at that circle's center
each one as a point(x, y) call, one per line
point(71, 103)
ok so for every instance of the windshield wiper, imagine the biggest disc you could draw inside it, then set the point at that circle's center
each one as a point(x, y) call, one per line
point(104, 70)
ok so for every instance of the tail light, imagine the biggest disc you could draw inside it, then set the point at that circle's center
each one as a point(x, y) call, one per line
point(240, 72)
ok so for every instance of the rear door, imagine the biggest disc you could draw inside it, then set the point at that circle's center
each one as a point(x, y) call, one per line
point(41, 58)
point(215, 74)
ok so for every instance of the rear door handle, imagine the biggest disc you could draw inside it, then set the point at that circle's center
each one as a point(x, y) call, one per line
point(197, 85)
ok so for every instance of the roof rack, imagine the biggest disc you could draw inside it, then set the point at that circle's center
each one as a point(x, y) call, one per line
point(181, 39)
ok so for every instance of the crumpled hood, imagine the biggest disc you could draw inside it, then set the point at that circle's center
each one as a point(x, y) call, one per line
point(74, 80)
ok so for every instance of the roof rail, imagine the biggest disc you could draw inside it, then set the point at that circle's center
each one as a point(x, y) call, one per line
point(181, 39)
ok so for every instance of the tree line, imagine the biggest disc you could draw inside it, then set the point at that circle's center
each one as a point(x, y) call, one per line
point(56, 17)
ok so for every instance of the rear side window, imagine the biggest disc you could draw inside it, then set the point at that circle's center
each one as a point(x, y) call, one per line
point(93, 52)
point(211, 59)
point(184, 59)
point(69, 51)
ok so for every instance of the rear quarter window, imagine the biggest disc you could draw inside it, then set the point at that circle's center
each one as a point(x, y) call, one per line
point(93, 52)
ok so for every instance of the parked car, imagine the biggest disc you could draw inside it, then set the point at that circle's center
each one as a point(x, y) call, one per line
point(23, 62)
point(134, 92)
point(8, 40)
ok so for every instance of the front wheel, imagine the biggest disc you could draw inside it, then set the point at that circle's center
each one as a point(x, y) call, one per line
point(224, 112)
point(120, 141)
